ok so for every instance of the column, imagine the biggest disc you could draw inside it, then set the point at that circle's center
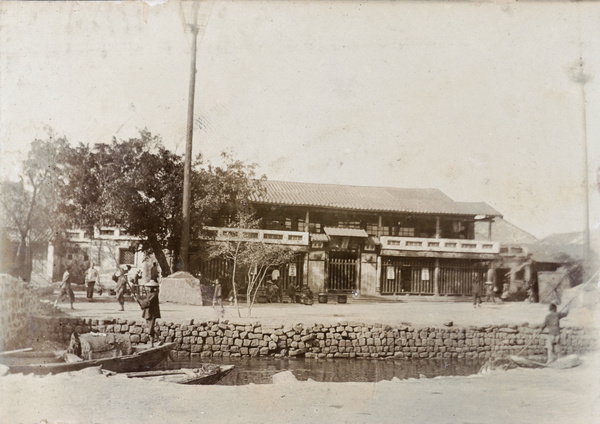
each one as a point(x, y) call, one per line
point(436, 278)
point(438, 227)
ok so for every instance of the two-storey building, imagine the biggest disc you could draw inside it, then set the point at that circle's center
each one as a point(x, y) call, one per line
point(369, 240)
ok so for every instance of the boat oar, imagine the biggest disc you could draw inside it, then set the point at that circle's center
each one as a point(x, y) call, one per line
point(488, 363)
point(154, 373)
point(10, 352)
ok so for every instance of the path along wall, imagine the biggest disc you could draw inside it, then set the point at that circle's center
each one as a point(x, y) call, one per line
point(343, 340)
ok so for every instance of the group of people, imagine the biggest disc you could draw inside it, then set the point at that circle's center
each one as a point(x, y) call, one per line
point(151, 307)
point(476, 291)
point(149, 302)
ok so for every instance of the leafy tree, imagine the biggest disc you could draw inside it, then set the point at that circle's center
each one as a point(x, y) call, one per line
point(33, 204)
point(255, 257)
point(134, 184)
point(220, 193)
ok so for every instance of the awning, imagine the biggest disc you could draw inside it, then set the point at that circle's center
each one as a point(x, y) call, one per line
point(319, 237)
point(439, 255)
point(345, 232)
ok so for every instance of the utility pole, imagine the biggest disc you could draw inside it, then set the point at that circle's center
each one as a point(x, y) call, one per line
point(582, 80)
point(184, 250)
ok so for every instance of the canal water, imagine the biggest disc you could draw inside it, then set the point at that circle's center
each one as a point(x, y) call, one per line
point(261, 370)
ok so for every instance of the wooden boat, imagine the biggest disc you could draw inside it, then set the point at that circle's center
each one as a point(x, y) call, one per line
point(140, 359)
point(207, 374)
point(569, 361)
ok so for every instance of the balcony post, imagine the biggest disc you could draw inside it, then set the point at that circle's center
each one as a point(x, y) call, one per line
point(307, 222)
point(438, 227)
point(379, 225)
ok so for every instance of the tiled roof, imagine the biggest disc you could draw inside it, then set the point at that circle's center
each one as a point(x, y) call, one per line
point(373, 199)
point(319, 237)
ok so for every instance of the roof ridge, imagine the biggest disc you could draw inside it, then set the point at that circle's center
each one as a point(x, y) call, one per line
point(352, 185)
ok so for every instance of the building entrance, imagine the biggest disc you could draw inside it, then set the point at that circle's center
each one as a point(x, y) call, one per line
point(343, 274)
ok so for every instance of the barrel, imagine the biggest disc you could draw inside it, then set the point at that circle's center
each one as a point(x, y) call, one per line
point(342, 298)
point(322, 297)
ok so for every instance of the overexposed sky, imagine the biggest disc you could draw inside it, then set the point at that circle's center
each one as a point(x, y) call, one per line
point(476, 99)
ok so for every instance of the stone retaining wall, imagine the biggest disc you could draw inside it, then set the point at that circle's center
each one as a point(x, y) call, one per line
point(18, 301)
point(343, 340)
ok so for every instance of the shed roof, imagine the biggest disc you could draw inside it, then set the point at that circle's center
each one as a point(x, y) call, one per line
point(361, 198)
point(345, 232)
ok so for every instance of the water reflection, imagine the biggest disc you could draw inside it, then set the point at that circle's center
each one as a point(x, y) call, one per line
point(261, 370)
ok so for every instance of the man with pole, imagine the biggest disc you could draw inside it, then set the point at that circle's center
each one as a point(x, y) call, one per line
point(150, 308)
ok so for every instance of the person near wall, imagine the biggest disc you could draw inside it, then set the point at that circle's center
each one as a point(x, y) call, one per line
point(552, 323)
point(91, 278)
point(218, 296)
point(150, 308)
point(121, 286)
point(292, 292)
point(66, 289)
point(476, 290)
point(154, 274)
point(490, 296)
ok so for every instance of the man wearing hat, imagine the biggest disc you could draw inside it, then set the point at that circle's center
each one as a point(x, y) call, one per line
point(150, 307)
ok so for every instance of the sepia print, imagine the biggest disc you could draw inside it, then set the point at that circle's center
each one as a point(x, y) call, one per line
point(299, 212)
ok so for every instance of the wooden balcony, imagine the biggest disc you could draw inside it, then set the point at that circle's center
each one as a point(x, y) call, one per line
point(417, 244)
point(292, 238)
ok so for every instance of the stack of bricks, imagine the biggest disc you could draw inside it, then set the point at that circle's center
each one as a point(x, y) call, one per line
point(342, 340)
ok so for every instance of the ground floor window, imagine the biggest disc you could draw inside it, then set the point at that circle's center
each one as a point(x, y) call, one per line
point(416, 276)
point(126, 257)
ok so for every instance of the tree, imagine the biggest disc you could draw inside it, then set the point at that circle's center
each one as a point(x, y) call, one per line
point(221, 192)
point(255, 257)
point(258, 259)
point(33, 203)
point(134, 184)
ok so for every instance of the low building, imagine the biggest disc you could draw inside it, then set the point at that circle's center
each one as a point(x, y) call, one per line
point(368, 240)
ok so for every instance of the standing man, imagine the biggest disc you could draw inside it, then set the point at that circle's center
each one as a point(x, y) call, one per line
point(121, 285)
point(154, 272)
point(476, 290)
point(552, 323)
point(65, 288)
point(151, 309)
point(91, 277)
point(490, 296)
point(218, 296)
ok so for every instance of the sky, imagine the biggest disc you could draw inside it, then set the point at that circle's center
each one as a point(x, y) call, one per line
point(480, 100)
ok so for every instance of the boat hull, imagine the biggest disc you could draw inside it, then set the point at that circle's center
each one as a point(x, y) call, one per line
point(187, 376)
point(138, 361)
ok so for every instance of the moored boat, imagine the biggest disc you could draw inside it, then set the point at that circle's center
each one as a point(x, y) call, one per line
point(207, 374)
point(139, 359)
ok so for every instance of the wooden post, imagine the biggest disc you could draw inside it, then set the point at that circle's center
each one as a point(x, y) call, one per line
point(436, 278)
point(438, 227)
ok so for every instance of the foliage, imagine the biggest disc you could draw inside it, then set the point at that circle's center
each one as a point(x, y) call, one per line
point(255, 257)
point(34, 203)
point(134, 184)
point(220, 193)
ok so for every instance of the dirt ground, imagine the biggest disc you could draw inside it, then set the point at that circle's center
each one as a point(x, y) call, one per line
point(514, 396)
point(418, 311)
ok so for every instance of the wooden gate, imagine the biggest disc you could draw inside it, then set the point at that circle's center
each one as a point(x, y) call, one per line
point(407, 276)
point(457, 278)
point(343, 273)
